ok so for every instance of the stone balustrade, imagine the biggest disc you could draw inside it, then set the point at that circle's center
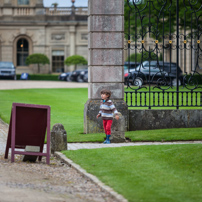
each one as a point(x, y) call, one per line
point(66, 11)
point(30, 11)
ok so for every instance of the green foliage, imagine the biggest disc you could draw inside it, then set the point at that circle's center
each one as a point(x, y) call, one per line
point(157, 173)
point(135, 57)
point(139, 57)
point(41, 77)
point(54, 4)
point(37, 58)
point(76, 60)
point(159, 17)
point(196, 79)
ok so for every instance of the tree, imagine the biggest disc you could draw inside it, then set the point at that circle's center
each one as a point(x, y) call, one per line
point(159, 17)
point(37, 58)
point(54, 4)
point(76, 60)
point(139, 57)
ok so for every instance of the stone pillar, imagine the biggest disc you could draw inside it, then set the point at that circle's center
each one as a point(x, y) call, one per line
point(58, 138)
point(106, 59)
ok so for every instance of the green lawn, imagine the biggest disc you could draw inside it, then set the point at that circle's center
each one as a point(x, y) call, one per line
point(164, 173)
point(167, 173)
point(67, 107)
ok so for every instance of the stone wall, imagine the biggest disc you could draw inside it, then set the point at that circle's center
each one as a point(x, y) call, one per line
point(161, 119)
point(92, 107)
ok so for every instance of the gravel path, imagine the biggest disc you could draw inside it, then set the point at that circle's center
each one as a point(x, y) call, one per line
point(10, 84)
point(57, 182)
point(76, 146)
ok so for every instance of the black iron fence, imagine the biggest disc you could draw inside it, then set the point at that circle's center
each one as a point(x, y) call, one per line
point(163, 42)
point(163, 99)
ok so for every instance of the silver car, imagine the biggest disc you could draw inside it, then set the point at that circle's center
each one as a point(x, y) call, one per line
point(7, 70)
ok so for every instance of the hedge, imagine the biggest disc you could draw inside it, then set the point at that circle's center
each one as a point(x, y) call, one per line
point(197, 78)
point(52, 77)
point(41, 77)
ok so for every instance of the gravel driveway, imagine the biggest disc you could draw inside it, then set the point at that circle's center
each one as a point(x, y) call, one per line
point(10, 84)
point(39, 182)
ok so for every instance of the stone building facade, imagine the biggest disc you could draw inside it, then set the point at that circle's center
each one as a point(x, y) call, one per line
point(28, 27)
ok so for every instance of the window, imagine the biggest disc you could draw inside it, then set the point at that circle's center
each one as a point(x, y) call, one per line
point(22, 52)
point(58, 61)
point(84, 36)
point(23, 2)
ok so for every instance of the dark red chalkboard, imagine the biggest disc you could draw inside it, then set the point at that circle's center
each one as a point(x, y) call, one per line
point(28, 126)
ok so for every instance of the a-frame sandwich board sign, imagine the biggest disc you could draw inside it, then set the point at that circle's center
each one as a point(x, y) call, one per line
point(29, 124)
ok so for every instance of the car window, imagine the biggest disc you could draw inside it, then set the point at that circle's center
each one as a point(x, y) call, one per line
point(125, 67)
point(152, 70)
point(146, 64)
point(6, 65)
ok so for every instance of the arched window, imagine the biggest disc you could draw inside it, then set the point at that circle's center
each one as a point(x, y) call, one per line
point(23, 2)
point(22, 51)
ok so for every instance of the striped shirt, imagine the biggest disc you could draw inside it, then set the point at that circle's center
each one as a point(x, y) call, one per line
point(107, 109)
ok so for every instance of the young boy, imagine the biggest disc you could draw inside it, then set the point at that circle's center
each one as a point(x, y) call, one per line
point(107, 109)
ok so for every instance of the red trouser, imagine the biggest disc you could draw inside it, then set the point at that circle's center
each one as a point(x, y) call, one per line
point(107, 126)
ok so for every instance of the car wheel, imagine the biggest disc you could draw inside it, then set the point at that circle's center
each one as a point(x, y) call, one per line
point(68, 78)
point(174, 82)
point(79, 79)
point(138, 82)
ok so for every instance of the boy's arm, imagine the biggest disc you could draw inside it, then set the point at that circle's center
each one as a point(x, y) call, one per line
point(100, 112)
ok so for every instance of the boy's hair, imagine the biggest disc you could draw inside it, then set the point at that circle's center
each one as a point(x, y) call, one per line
point(106, 92)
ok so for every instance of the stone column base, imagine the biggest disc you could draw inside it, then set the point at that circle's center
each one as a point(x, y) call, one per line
point(94, 125)
point(118, 130)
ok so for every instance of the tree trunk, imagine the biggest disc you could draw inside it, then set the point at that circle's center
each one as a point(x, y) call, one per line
point(38, 68)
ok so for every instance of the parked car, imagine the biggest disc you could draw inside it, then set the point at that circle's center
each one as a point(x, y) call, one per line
point(78, 75)
point(130, 66)
point(82, 76)
point(154, 73)
point(7, 70)
point(65, 76)
point(85, 77)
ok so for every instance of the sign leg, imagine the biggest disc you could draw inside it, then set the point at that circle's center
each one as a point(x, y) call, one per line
point(6, 152)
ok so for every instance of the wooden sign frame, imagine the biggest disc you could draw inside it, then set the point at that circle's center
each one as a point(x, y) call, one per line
point(29, 124)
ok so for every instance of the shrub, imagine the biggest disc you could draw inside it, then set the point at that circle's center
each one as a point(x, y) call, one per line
point(37, 58)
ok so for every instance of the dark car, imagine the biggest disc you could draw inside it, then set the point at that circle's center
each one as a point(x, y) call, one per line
point(7, 70)
point(153, 72)
point(128, 67)
point(78, 75)
point(65, 76)
point(82, 76)
point(85, 77)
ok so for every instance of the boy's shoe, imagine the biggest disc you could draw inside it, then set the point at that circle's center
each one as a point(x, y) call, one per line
point(108, 140)
point(105, 142)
